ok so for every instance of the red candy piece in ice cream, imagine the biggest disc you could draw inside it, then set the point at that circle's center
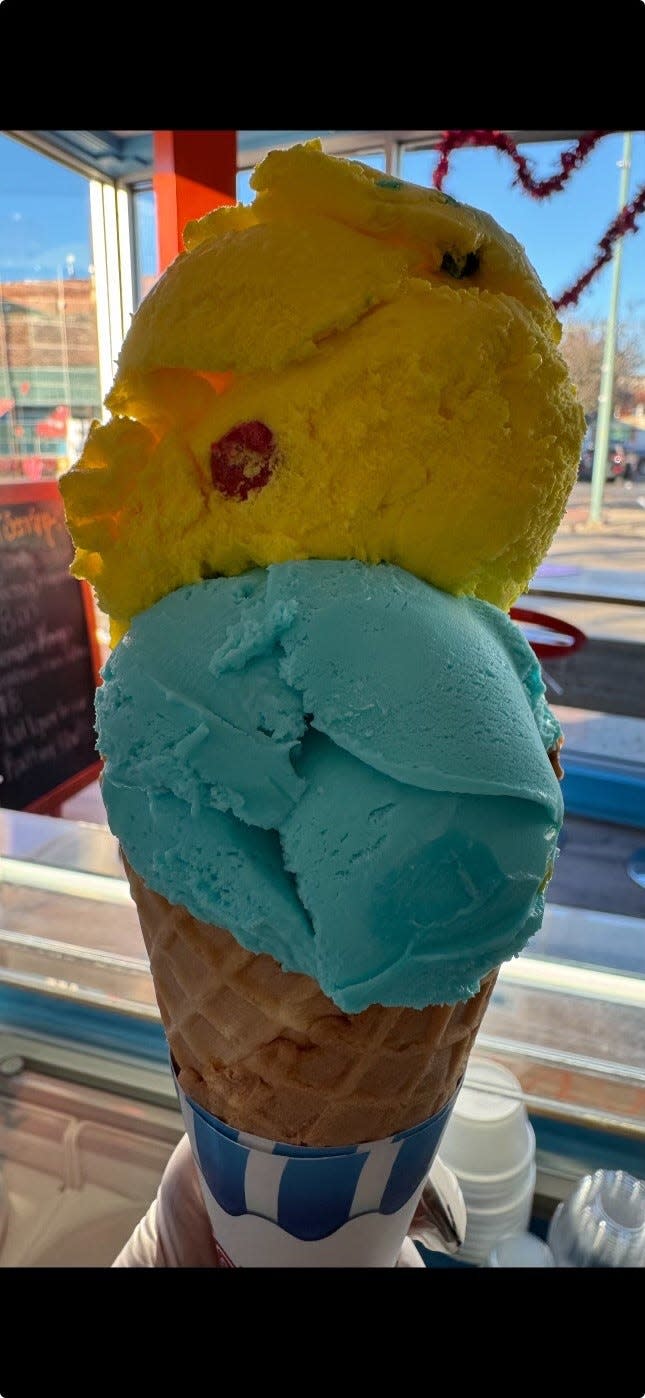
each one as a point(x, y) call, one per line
point(243, 460)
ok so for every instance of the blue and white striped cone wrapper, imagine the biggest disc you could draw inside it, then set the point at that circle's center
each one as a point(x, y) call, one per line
point(275, 1205)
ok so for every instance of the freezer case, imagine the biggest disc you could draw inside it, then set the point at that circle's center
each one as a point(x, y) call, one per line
point(79, 1165)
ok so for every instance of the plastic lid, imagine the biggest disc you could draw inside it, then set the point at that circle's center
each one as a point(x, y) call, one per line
point(602, 1224)
point(521, 1250)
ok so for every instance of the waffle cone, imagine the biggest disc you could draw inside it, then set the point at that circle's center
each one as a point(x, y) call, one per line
point(267, 1052)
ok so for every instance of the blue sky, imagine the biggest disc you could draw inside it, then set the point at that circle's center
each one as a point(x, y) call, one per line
point(44, 215)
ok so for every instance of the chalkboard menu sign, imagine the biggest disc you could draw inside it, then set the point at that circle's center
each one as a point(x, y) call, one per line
point(48, 655)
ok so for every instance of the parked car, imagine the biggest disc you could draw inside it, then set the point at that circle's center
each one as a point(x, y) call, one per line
point(615, 468)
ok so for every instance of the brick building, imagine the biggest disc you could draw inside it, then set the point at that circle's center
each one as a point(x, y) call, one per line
point(49, 381)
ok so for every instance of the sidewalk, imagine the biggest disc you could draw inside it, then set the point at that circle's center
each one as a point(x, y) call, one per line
point(607, 558)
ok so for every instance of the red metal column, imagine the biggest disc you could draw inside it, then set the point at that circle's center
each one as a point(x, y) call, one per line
point(194, 172)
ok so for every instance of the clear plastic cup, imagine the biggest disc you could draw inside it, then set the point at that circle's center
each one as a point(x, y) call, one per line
point(521, 1250)
point(602, 1224)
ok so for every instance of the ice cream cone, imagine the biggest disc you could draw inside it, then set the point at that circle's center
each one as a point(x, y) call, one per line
point(267, 1052)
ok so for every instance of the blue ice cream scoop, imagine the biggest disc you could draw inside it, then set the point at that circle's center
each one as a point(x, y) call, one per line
point(345, 767)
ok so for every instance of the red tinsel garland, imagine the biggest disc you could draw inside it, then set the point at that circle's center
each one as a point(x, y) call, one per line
point(570, 160)
point(624, 223)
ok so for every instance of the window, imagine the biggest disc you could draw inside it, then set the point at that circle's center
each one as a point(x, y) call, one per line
point(146, 258)
point(49, 377)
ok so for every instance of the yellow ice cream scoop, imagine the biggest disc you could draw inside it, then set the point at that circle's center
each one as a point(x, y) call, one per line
point(351, 367)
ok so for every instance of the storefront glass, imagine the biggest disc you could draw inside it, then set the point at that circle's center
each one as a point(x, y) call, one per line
point(49, 379)
point(146, 258)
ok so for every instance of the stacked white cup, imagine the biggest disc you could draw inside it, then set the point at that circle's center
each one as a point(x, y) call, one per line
point(490, 1144)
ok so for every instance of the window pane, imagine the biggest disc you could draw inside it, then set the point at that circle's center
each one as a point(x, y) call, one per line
point(146, 254)
point(49, 381)
point(245, 195)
